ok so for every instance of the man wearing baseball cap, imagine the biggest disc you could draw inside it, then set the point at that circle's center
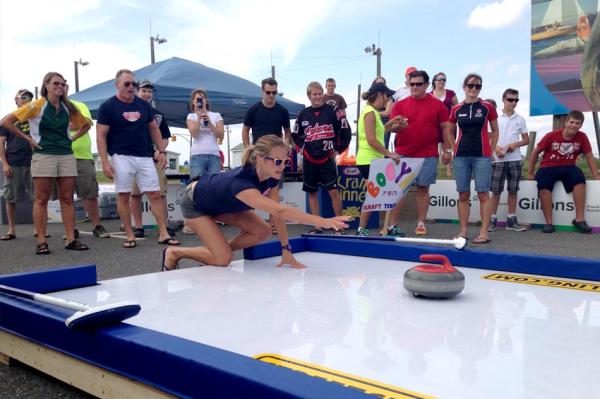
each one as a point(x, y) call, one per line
point(15, 155)
point(400, 94)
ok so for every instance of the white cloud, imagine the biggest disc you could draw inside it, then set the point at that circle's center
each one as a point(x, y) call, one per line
point(497, 14)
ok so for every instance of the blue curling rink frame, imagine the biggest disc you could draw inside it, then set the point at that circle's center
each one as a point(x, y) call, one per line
point(428, 348)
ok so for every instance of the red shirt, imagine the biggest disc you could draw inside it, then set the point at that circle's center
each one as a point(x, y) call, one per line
point(559, 151)
point(420, 139)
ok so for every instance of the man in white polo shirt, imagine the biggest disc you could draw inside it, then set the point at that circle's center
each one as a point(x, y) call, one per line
point(507, 163)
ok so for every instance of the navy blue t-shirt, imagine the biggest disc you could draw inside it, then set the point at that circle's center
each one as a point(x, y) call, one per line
point(129, 133)
point(215, 194)
point(264, 121)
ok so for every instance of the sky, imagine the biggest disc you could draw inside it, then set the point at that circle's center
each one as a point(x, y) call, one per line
point(305, 41)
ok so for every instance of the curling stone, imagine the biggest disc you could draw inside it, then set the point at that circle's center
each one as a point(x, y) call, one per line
point(432, 280)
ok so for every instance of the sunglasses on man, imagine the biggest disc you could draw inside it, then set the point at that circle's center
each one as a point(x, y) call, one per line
point(416, 84)
point(512, 100)
point(271, 93)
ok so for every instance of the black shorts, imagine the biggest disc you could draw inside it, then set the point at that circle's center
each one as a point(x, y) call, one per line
point(570, 176)
point(319, 175)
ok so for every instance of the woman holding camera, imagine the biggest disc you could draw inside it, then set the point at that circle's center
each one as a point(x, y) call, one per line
point(206, 129)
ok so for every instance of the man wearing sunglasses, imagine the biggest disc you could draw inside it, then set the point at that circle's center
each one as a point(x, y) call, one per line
point(266, 116)
point(427, 125)
point(15, 155)
point(126, 130)
point(506, 161)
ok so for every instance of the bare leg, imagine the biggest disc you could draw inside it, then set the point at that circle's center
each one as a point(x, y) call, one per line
point(484, 212)
point(158, 211)
point(495, 202)
point(313, 203)
point(66, 187)
point(218, 252)
point(91, 208)
point(579, 200)
point(40, 206)
point(135, 205)
point(336, 202)
point(463, 212)
point(422, 200)
point(125, 214)
point(512, 203)
point(546, 201)
point(11, 215)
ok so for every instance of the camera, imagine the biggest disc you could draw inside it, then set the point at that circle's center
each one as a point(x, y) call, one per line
point(199, 103)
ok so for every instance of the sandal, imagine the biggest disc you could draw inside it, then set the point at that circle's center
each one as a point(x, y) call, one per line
point(169, 241)
point(8, 237)
point(129, 244)
point(481, 240)
point(42, 249)
point(76, 245)
point(164, 267)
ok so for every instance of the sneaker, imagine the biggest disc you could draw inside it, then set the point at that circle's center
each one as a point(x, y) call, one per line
point(362, 231)
point(139, 232)
point(548, 228)
point(513, 224)
point(395, 231)
point(100, 232)
point(171, 231)
point(421, 230)
point(492, 226)
point(582, 226)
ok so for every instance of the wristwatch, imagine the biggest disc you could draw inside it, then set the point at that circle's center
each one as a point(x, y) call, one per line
point(448, 151)
point(287, 247)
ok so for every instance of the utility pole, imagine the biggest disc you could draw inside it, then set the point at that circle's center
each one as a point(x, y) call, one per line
point(76, 64)
point(157, 39)
point(376, 51)
point(357, 117)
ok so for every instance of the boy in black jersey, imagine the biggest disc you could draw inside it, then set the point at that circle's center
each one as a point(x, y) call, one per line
point(320, 132)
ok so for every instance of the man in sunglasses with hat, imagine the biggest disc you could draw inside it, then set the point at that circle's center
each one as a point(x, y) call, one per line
point(15, 155)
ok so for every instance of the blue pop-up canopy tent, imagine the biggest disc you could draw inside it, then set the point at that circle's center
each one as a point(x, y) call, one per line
point(173, 81)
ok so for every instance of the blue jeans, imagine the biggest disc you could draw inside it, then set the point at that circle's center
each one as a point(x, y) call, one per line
point(478, 167)
point(204, 163)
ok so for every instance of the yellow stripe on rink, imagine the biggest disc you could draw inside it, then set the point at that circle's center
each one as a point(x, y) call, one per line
point(546, 282)
point(369, 387)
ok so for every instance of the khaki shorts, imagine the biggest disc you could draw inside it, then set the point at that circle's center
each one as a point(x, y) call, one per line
point(46, 165)
point(19, 186)
point(86, 185)
point(162, 181)
point(186, 202)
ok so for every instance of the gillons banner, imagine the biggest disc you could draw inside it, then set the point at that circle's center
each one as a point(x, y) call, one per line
point(388, 182)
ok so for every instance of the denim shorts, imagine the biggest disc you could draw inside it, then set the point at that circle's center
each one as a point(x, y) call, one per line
point(428, 172)
point(201, 164)
point(480, 168)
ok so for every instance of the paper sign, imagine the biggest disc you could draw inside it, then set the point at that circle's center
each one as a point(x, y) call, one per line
point(388, 182)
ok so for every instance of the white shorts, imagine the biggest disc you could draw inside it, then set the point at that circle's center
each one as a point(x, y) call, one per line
point(128, 169)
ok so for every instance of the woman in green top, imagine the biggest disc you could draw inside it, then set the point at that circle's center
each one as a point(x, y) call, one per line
point(49, 119)
point(370, 137)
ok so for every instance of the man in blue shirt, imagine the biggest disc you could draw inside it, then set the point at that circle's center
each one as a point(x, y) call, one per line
point(126, 130)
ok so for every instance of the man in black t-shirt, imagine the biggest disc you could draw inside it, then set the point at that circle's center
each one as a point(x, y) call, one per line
point(266, 116)
point(126, 129)
point(15, 155)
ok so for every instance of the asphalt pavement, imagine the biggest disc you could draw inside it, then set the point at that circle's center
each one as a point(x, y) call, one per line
point(113, 261)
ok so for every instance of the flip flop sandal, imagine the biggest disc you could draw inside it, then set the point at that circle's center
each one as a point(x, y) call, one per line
point(76, 245)
point(169, 241)
point(129, 244)
point(8, 237)
point(164, 267)
point(481, 240)
point(42, 249)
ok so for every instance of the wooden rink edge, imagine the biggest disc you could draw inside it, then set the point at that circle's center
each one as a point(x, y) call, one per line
point(79, 374)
